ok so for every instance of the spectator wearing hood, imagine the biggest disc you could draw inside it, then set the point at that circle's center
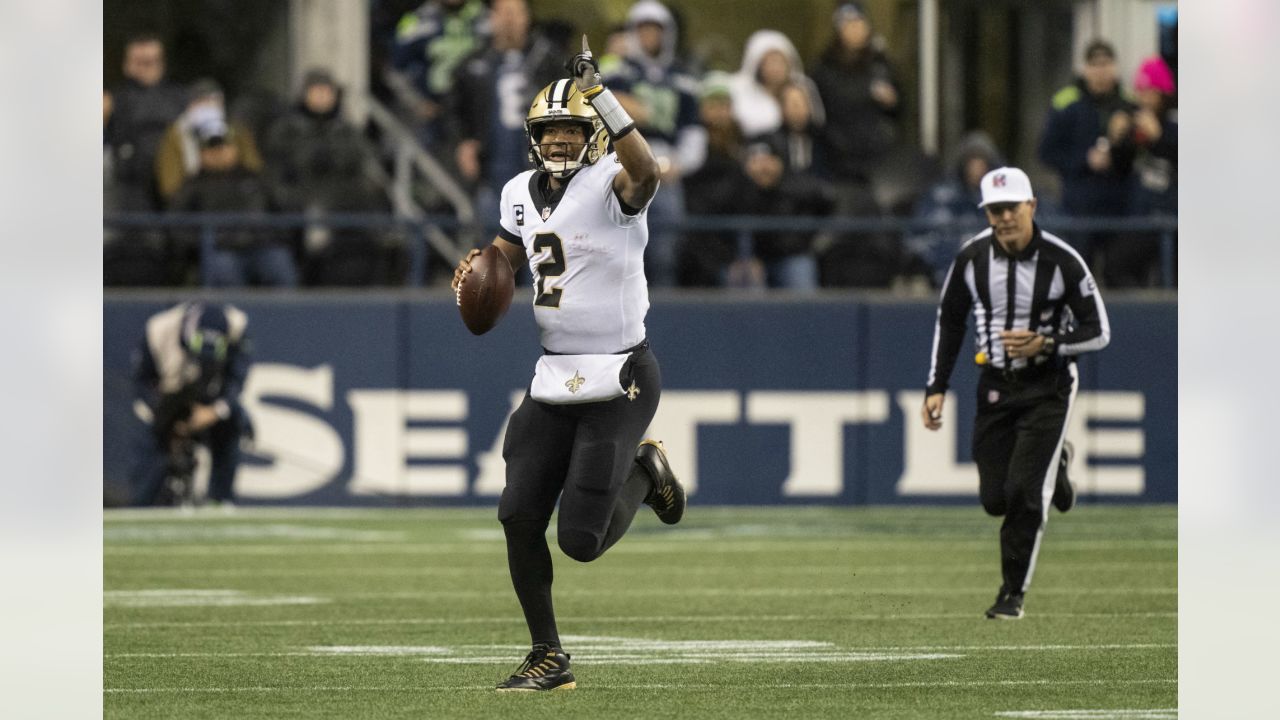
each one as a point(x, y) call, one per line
point(861, 97)
point(769, 63)
point(179, 155)
point(954, 200)
point(319, 163)
point(141, 110)
point(316, 159)
point(650, 83)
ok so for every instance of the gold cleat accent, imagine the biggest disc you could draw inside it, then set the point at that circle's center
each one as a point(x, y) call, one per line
point(667, 497)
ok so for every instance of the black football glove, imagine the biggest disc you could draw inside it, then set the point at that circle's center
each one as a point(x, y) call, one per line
point(585, 71)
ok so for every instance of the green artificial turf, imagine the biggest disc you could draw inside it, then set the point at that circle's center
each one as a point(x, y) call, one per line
point(735, 613)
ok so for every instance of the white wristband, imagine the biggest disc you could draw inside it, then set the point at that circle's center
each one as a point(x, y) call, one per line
point(615, 118)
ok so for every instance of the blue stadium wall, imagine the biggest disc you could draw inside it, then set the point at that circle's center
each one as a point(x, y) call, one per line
point(387, 400)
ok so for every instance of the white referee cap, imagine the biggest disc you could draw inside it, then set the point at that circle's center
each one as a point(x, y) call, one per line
point(1006, 184)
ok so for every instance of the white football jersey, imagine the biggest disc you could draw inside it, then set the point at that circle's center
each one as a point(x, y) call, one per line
point(587, 260)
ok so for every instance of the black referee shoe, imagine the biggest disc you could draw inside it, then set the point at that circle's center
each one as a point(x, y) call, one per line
point(667, 496)
point(1008, 607)
point(545, 668)
point(1064, 494)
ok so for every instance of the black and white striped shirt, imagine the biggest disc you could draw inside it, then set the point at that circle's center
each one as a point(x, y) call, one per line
point(1046, 288)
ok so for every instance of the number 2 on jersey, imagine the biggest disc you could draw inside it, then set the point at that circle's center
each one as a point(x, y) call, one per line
point(552, 267)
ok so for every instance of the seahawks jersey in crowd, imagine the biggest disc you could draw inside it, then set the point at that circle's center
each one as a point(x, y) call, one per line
point(586, 252)
point(432, 40)
point(670, 95)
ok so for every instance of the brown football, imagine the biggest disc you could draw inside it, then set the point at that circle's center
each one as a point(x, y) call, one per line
point(485, 292)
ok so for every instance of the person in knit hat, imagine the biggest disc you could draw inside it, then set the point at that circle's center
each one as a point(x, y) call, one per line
point(1088, 121)
point(860, 93)
point(1152, 143)
point(1155, 137)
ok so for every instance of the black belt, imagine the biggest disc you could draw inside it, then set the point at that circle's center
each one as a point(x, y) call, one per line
point(637, 348)
point(1030, 372)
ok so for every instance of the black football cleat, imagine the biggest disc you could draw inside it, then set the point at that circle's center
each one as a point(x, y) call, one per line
point(667, 496)
point(544, 668)
point(1008, 607)
point(1064, 494)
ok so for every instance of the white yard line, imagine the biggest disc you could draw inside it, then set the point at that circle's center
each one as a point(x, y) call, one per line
point(185, 597)
point(855, 651)
point(417, 569)
point(750, 515)
point(746, 592)
point(642, 547)
point(253, 514)
point(771, 592)
point(151, 534)
point(756, 683)
point(517, 619)
point(1101, 714)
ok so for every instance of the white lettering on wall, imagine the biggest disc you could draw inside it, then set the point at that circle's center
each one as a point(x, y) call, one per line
point(817, 420)
point(929, 457)
point(1115, 444)
point(384, 442)
point(304, 451)
point(395, 454)
point(676, 424)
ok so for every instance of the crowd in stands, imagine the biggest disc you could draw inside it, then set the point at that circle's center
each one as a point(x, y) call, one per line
point(169, 149)
point(774, 139)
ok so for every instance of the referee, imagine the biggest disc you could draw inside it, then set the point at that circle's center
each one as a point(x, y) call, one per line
point(1035, 307)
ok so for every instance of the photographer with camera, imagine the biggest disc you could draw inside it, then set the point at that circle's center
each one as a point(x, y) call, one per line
point(188, 371)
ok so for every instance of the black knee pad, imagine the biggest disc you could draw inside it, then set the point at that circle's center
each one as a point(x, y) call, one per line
point(996, 507)
point(579, 545)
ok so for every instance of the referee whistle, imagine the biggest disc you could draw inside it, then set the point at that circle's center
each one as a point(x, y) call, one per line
point(980, 358)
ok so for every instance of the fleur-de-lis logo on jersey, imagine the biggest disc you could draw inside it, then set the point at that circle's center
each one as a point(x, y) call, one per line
point(633, 391)
point(575, 383)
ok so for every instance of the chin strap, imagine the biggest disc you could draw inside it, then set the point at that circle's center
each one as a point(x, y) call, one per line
point(564, 171)
point(615, 118)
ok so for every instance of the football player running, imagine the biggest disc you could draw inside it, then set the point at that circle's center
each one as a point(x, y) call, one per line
point(579, 221)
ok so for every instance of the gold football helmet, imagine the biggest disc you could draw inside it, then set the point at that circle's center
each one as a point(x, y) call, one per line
point(560, 102)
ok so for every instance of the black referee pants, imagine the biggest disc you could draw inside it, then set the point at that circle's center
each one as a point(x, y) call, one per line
point(583, 455)
point(1017, 440)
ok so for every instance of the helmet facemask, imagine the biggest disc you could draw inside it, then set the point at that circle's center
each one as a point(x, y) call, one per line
point(561, 102)
point(574, 160)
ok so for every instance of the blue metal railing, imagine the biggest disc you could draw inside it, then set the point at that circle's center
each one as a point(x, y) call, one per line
point(415, 231)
